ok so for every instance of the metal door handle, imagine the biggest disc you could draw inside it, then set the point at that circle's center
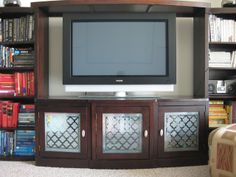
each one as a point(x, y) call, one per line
point(83, 133)
point(161, 132)
point(145, 133)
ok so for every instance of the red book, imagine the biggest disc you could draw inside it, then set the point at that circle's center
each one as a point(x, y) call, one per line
point(4, 114)
point(15, 114)
point(1, 114)
point(24, 84)
point(7, 93)
point(32, 89)
point(9, 115)
point(7, 87)
point(18, 84)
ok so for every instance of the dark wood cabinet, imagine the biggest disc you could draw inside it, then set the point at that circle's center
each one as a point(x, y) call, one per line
point(122, 132)
point(129, 133)
point(109, 119)
point(64, 131)
point(181, 132)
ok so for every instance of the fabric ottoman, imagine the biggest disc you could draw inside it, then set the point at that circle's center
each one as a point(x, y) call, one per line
point(222, 151)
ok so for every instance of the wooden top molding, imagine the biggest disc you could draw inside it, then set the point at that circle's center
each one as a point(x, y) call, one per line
point(121, 2)
point(181, 8)
point(225, 10)
point(15, 10)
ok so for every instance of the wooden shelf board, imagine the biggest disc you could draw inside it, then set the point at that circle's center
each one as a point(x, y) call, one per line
point(222, 43)
point(19, 128)
point(17, 43)
point(221, 96)
point(17, 158)
point(16, 10)
point(222, 69)
point(17, 97)
point(13, 69)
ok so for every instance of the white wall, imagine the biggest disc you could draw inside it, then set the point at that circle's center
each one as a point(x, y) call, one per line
point(184, 86)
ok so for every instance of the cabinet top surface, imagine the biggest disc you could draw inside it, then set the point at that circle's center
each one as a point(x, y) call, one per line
point(128, 98)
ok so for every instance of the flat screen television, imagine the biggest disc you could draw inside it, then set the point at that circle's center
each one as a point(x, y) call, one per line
point(119, 49)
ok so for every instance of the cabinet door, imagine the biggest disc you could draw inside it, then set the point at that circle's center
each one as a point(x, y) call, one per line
point(181, 130)
point(122, 133)
point(64, 133)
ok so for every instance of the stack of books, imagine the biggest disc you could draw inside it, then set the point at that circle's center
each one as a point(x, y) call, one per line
point(24, 143)
point(8, 114)
point(16, 57)
point(23, 57)
point(221, 30)
point(7, 84)
point(6, 143)
point(222, 59)
point(26, 116)
point(24, 84)
point(217, 114)
point(17, 29)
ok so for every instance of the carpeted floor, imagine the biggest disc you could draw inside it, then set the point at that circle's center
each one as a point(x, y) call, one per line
point(28, 169)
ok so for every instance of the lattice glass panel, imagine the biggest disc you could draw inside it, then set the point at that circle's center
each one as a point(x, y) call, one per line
point(62, 132)
point(122, 133)
point(181, 131)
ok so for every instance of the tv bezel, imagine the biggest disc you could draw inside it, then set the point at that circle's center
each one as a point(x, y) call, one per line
point(169, 78)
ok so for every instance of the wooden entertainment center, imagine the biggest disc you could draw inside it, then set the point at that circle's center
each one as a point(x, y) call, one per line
point(121, 133)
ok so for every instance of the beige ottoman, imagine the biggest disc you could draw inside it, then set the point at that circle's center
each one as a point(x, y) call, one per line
point(222, 151)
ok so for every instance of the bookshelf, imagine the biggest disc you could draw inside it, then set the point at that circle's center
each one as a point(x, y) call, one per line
point(17, 93)
point(222, 66)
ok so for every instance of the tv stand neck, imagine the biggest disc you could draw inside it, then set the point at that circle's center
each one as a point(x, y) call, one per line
point(120, 94)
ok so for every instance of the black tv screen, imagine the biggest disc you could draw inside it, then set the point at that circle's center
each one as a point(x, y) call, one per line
point(119, 49)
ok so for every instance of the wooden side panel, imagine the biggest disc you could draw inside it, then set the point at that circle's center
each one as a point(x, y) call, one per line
point(41, 53)
point(201, 71)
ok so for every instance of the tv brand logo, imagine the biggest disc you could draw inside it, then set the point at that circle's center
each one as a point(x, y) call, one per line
point(119, 80)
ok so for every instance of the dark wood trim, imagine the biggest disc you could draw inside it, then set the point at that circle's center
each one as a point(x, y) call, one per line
point(13, 44)
point(200, 55)
point(41, 53)
point(17, 158)
point(117, 2)
point(18, 98)
point(16, 10)
point(222, 69)
point(222, 43)
point(19, 128)
point(222, 96)
point(181, 8)
point(14, 69)
point(228, 10)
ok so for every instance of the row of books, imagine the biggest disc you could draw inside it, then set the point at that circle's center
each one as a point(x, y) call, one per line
point(222, 59)
point(17, 143)
point(16, 57)
point(13, 115)
point(17, 84)
point(17, 29)
point(221, 113)
point(221, 30)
